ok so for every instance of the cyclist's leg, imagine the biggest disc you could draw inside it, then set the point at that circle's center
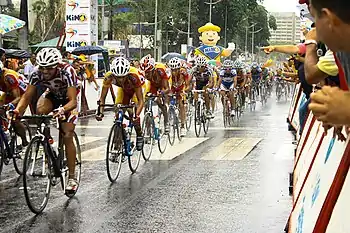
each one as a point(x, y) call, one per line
point(68, 133)
point(182, 110)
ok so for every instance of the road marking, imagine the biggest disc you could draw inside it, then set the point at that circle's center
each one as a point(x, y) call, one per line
point(232, 128)
point(96, 154)
point(99, 153)
point(87, 139)
point(179, 148)
point(93, 126)
point(285, 152)
point(232, 149)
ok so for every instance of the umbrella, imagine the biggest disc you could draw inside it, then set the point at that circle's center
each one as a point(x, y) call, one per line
point(9, 23)
point(166, 57)
point(16, 53)
point(88, 50)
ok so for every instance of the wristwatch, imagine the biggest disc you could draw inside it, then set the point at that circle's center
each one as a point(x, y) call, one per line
point(308, 42)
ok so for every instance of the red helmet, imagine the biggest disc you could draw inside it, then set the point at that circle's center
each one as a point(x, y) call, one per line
point(304, 2)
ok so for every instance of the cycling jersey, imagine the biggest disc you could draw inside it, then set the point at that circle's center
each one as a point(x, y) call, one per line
point(64, 78)
point(126, 90)
point(179, 80)
point(256, 74)
point(202, 77)
point(227, 78)
point(11, 79)
point(156, 78)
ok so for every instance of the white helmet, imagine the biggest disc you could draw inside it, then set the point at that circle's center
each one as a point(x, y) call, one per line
point(174, 63)
point(48, 57)
point(147, 63)
point(120, 66)
point(201, 61)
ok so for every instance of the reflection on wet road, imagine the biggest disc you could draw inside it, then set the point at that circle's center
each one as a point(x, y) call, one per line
point(232, 180)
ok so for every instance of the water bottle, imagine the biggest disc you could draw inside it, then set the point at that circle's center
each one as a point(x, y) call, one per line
point(156, 123)
point(7, 135)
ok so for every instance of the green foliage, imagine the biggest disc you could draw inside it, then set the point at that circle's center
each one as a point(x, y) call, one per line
point(272, 22)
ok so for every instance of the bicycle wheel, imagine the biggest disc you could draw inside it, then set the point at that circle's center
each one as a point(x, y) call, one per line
point(177, 127)
point(37, 175)
point(172, 122)
point(162, 137)
point(2, 154)
point(135, 156)
point(224, 113)
point(65, 170)
point(197, 119)
point(188, 116)
point(148, 136)
point(18, 150)
point(114, 152)
point(205, 120)
point(238, 106)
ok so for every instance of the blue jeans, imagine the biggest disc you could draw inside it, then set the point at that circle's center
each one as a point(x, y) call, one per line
point(303, 110)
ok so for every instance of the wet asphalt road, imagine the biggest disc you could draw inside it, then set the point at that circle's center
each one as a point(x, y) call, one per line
point(197, 191)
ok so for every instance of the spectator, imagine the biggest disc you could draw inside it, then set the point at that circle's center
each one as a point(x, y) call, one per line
point(333, 27)
point(29, 65)
point(2, 56)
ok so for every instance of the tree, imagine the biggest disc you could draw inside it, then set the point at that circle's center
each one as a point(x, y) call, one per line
point(272, 22)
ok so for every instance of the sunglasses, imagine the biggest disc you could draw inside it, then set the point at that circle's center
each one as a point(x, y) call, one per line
point(47, 67)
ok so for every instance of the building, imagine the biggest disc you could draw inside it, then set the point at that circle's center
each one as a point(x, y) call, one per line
point(288, 28)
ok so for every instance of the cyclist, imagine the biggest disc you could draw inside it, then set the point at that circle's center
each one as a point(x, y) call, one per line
point(60, 97)
point(204, 80)
point(180, 85)
point(12, 87)
point(129, 83)
point(216, 72)
point(256, 74)
point(158, 83)
point(239, 66)
point(228, 82)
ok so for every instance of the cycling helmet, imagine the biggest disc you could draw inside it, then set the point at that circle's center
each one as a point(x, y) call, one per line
point(48, 57)
point(238, 64)
point(147, 63)
point(255, 65)
point(120, 66)
point(201, 61)
point(228, 64)
point(174, 63)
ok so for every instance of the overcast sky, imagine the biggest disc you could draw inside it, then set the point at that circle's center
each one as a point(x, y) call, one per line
point(281, 5)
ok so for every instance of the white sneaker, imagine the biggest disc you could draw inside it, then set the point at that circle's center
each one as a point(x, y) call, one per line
point(72, 185)
point(183, 132)
point(233, 113)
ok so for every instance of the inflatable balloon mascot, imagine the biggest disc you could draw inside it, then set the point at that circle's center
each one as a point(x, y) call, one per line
point(210, 37)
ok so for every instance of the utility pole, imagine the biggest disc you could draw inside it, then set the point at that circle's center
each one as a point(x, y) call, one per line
point(103, 19)
point(211, 2)
point(189, 23)
point(226, 25)
point(155, 31)
point(246, 40)
point(253, 44)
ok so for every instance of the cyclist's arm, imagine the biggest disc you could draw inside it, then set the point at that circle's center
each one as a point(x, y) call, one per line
point(219, 81)
point(166, 86)
point(235, 82)
point(25, 99)
point(141, 102)
point(188, 83)
point(16, 94)
point(211, 82)
point(72, 97)
point(105, 87)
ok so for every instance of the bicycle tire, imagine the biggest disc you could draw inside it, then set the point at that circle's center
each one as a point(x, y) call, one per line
point(197, 119)
point(177, 126)
point(224, 113)
point(19, 169)
point(2, 152)
point(188, 116)
point(28, 156)
point(118, 130)
point(148, 126)
point(77, 168)
point(205, 119)
point(135, 154)
point(171, 135)
point(163, 138)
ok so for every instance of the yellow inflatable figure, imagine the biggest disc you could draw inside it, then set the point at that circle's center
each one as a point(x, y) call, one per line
point(210, 37)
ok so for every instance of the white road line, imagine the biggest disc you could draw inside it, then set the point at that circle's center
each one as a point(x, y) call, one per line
point(96, 154)
point(176, 150)
point(87, 139)
point(285, 152)
point(232, 149)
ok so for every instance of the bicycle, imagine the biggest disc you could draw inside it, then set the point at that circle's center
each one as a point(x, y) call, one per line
point(200, 114)
point(253, 95)
point(228, 119)
point(50, 164)
point(239, 102)
point(120, 143)
point(10, 147)
point(263, 92)
point(189, 110)
point(153, 129)
point(280, 89)
point(174, 119)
